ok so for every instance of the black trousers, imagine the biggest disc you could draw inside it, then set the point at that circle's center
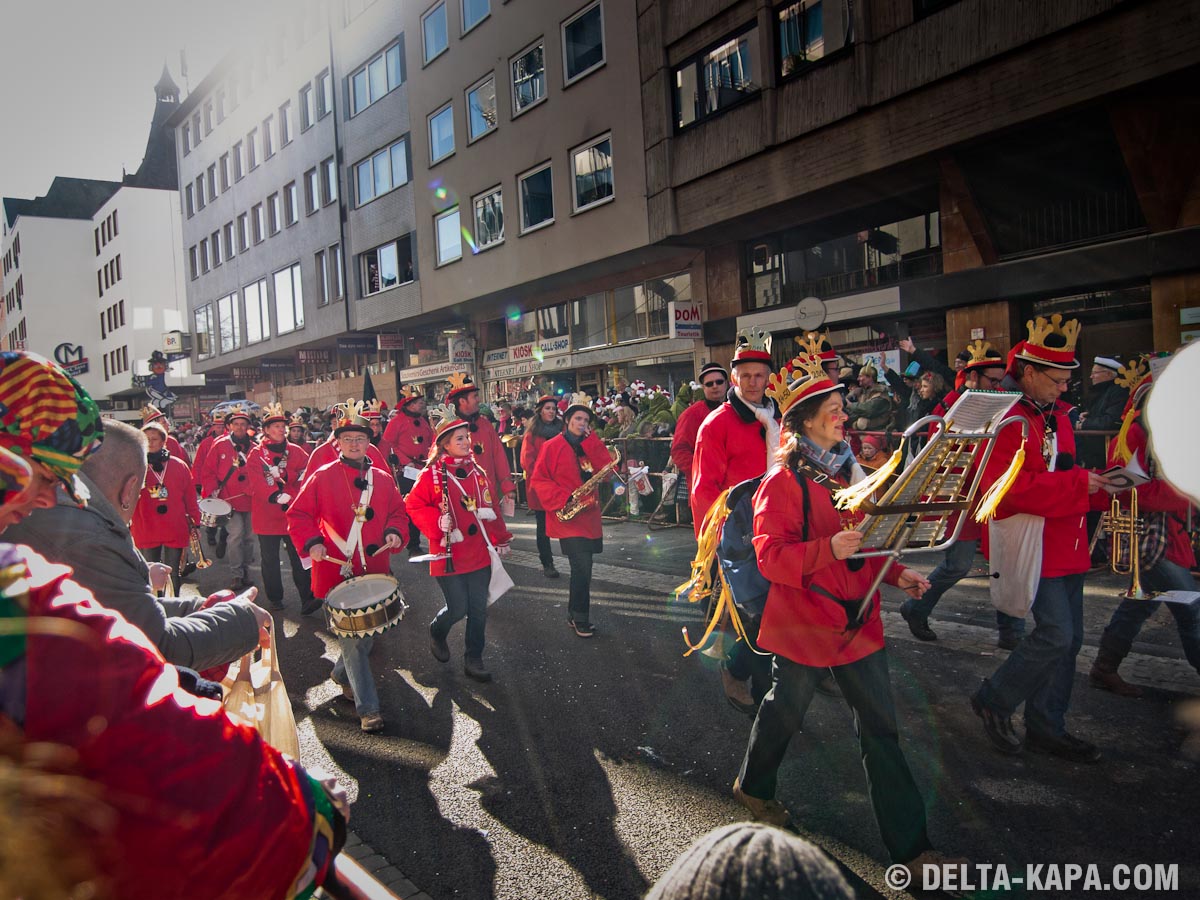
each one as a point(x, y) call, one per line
point(268, 544)
point(545, 553)
point(579, 553)
point(414, 533)
point(168, 556)
point(745, 663)
point(865, 683)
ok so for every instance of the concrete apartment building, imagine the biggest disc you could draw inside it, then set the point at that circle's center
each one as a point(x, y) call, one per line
point(939, 168)
point(93, 275)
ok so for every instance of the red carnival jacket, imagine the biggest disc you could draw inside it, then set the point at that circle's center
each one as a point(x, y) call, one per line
point(266, 512)
point(490, 453)
point(409, 437)
point(202, 452)
point(165, 521)
point(328, 452)
point(225, 462)
point(556, 476)
point(731, 446)
point(531, 449)
point(424, 504)
point(176, 450)
point(683, 444)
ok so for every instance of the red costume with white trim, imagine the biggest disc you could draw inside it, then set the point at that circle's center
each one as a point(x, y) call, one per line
point(273, 473)
point(409, 437)
point(328, 452)
point(556, 476)
point(160, 521)
point(683, 444)
point(490, 453)
point(731, 446)
point(468, 489)
point(225, 462)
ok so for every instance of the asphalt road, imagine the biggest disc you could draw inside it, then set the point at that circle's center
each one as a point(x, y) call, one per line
point(588, 765)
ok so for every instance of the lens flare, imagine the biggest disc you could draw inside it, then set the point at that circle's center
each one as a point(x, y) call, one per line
point(469, 240)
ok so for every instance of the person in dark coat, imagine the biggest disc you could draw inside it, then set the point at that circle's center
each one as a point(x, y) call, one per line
point(1106, 403)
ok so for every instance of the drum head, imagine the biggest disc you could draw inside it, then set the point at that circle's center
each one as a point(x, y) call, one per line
point(215, 506)
point(1172, 429)
point(366, 605)
point(355, 593)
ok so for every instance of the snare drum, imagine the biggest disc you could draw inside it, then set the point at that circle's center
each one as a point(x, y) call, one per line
point(214, 511)
point(368, 604)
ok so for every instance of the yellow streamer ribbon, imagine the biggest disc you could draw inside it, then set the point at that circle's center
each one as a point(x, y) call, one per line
point(989, 502)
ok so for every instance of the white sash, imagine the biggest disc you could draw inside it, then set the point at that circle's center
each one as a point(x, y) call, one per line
point(353, 541)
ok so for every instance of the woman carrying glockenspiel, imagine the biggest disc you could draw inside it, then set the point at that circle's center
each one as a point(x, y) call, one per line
point(457, 507)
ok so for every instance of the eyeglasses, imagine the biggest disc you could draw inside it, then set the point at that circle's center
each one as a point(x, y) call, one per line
point(716, 382)
point(1061, 383)
point(989, 379)
point(352, 441)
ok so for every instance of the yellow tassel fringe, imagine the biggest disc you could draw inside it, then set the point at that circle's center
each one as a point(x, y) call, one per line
point(852, 497)
point(991, 500)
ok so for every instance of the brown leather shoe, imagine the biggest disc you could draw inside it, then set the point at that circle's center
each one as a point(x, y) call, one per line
point(770, 812)
point(738, 693)
point(1112, 681)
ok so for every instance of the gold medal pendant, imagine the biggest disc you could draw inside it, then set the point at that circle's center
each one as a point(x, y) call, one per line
point(360, 514)
point(469, 503)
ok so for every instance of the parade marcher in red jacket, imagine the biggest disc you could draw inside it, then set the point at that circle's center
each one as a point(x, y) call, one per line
point(349, 518)
point(224, 475)
point(489, 452)
point(714, 381)
point(565, 463)
point(984, 372)
point(214, 431)
point(276, 468)
point(166, 510)
point(543, 425)
point(1054, 493)
point(455, 505)
point(409, 439)
point(327, 452)
point(298, 433)
point(812, 623)
point(167, 798)
point(1172, 572)
point(151, 413)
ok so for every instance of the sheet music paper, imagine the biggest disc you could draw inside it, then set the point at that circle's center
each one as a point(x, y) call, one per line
point(1122, 478)
point(977, 411)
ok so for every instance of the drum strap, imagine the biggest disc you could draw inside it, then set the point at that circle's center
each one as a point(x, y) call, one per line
point(353, 541)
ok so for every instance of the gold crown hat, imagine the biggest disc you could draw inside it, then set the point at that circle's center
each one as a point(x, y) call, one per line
point(446, 425)
point(461, 384)
point(1136, 377)
point(237, 412)
point(983, 356)
point(408, 394)
point(753, 345)
point(297, 420)
point(580, 400)
point(150, 412)
point(350, 418)
point(800, 379)
point(816, 343)
point(273, 412)
point(372, 409)
point(1050, 342)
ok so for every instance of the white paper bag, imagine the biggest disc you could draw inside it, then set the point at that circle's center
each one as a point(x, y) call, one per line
point(1015, 562)
point(501, 581)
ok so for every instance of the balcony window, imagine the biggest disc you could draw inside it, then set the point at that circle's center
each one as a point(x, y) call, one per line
point(723, 77)
point(387, 266)
point(382, 172)
point(380, 75)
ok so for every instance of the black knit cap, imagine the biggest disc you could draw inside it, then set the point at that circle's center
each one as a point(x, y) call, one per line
point(749, 861)
point(712, 367)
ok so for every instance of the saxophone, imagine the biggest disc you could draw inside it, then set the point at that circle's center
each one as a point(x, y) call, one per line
point(579, 498)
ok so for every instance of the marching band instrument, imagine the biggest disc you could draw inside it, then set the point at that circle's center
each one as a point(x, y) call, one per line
point(1126, 530)
point(365, 605)
point(579, 499)
point(214, 511)
point(445, 514)
point(194, 552)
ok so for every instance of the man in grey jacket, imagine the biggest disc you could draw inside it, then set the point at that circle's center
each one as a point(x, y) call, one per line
point(96, 542)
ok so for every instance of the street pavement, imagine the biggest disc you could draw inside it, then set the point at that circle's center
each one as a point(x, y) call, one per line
point(589, 765)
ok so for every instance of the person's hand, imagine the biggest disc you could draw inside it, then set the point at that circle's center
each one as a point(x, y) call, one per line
point(503, 549)
point(907, 345)
point(445, 522)
point(160, 576)
point(456, 536)
point(317, 552)
point(1096, 482)
point(283, 499)
point(913, 583)
point(262, 618)
point(846, 543)
point(392, 541)
point(337, 794)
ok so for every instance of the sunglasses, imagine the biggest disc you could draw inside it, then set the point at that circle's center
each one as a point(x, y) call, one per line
point(715, 382)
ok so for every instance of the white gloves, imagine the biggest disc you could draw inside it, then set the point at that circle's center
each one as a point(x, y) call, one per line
point(486, 514)
point(766, 418)
point(283, 499)
point(456, 536)
point(503, 549)
point(445, 522)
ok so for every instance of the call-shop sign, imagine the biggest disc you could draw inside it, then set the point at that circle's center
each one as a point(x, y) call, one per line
point(686, 320)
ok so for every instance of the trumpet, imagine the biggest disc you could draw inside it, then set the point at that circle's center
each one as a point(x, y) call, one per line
point(195, 551)
point(580, 498)
point(1126, 530)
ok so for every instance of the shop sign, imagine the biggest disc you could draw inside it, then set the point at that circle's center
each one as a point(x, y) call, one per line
point(686, 320)
point(528, 367)
point(432, 371)
point(462, 352)
point(544, 348)
point(221, 380)
point(276, 364)
point(71, 358)
point(313, 356)
point(1189, 315)
point(357, 343)
point(495, 357)
point(240, 373)
point(389, 341)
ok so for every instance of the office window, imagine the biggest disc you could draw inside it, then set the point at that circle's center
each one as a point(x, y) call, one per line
point(239, 167)
point(387, 266)
point(474, 12)
point(536, 191)
point(449, 236)
point(196, 130)
point(258, 223)
point(273, 216)
point(230, 243)
point(206, 339)
point(268, 137)
point(441, 133)
point(338, 290)
point(208, 117)
point(214, 241)
point(481, 108)
point(718, 79)
point(322, 278)
point(258, 312)
point(583, 42)
point(200, 192)
point(234, 92)
point(324, 95)
point(243, 232)
point(308, 107)
point(224, 165)
point(435, 33)
point(189, 201)
point(185, 135)
point(193, 267)
point(291, 204)
point(377, 77)
point(329, 182)
point(285, 124)
point(115, 230)
point(220, 105)
point(103, 327)
point(591, 173)
point(801, 36)
point(253, 149)
point(312, 192)
point(211, 184)
point(382, 171)
point(489, 218)
point(228, 330)
point(529, 77)
point(289, 300)
point(204, 259)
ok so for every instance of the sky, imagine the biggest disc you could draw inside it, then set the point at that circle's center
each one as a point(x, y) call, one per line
point(78, 81)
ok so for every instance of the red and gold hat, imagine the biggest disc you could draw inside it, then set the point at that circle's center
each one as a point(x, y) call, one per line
point(349, 417)
point(982, 355)
point(800, 379)
point(273, 412)
point(460, 385)
point(372, 409)
point(1050, 343)
point(580, 402)
point(816, 343)
point(408, 394)
point(237, 412)
point(446, 426)
point(150, 412)
point(753, 345)
point(544, 399)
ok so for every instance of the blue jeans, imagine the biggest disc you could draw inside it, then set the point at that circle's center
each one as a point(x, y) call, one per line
point(953, 568)
point(899, 809)
point(466, 597)
point(354, 665)
point(1129, 617)
point(1041, 671)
